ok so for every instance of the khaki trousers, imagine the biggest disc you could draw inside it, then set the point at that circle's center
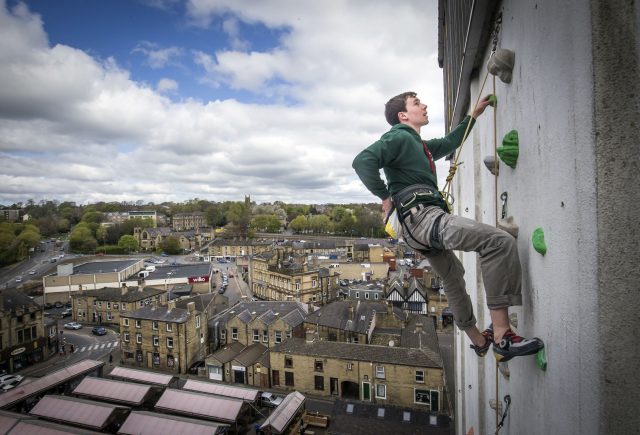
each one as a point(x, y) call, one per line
point(497, 249)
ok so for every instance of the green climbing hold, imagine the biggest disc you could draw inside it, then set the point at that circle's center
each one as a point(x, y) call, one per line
point(538, 241)
point(493, 101)
point(541, 359)
point(509, 150)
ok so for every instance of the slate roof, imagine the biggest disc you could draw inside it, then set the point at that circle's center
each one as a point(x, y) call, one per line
point(336, 315)
point(12, 299)
point(202, 301)
point(361, 352)
point(162, 313)
point(251, 354)
point(115, 293)
point(262, 309)
point(420, 337)
point(228, 352)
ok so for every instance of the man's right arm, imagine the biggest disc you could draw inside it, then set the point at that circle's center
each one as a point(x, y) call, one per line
point(367, 165)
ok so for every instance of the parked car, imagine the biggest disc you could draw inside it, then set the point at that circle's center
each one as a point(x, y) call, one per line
point(12, 380)
point(222, 290)
point(18, 279)
point(32, 272)
point(72, 325)
point(9, 385)
point(48, 306)
point(193, 369)
point(99, 330)
point(66, 312)
point(58, 305)
point(270, 399)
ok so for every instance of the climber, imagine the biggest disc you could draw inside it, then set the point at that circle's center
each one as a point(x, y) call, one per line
point(411, 188)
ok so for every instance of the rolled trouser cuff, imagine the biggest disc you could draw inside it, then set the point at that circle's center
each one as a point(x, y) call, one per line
point(503, 301)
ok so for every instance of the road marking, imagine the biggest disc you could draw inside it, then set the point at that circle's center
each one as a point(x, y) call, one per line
point(82, 350)
point(103, 346)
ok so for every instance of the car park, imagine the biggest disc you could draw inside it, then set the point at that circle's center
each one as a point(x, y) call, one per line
point(270, 399)
point(72, 325)
point(99, 330)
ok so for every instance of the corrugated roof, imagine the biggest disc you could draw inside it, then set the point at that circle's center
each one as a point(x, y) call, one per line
point(108, 389)
point(141, 376)
point(221, 390)
point(201, 405)
point(41, 427)
point(37, 386)
point(76, 411)
point(281, 417)
point(149, 423)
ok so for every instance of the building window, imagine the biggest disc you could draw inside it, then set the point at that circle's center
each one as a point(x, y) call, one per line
point(154, 325)
point(288, 333)
point(381, 391)
point(380, 372)
point(349, 366)
point(139, 338)
point(126, 337)
point(288, 379)
point(108, 305)
point(278, 336)
point(318, 366)
point(357, 295)
point(198, 321)
point(156, 359)
point(156, 341)
point(223, 334)
point(319, 382)
point(427, 397)
point(109, 316)
point(123, 307)
point(169, 327)
point(420, 376)
point(376, 296)
point(99, 304)
point(297, 285)
point(234, 333)
point(366, 295)
point(288, 362)
point(256, 335)
point(170, 342)
point(314, 283)
point(125, 322)
point(265, 336)
point(138, 323)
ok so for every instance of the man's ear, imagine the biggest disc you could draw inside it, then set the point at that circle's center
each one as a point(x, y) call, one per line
point(402, 116)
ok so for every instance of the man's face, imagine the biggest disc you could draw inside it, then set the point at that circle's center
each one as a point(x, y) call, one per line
point(416, 113)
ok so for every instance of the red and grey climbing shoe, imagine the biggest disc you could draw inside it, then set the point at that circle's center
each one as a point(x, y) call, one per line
point(488, 339)
point(513, 345)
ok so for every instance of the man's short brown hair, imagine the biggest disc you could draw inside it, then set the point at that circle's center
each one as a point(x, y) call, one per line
point(395, 105)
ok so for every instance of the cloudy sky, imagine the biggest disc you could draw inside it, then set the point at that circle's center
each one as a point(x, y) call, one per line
point(169, 100)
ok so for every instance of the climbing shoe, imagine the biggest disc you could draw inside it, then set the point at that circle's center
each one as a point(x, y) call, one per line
point(513, 345)
point(488, 339)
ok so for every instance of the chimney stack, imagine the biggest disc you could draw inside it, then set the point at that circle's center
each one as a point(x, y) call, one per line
point(351, 312)
point(418, 327)
point(311, 335)
point(171, 304)
point(124, 289)
point(191, 307)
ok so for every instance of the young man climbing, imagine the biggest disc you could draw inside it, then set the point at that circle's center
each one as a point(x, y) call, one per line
point(412, 188)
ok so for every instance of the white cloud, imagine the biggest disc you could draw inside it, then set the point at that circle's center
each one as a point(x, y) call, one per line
point(167, 86)
point(158, 58)
point(73, 127)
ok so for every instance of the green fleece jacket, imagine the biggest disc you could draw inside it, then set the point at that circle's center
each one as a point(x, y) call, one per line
point(401, 155)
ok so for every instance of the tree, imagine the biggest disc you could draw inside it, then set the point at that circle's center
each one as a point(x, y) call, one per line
point(171, 245)
point(266, 223)
point(320, 224)
point(299, 224)
point(81, 239)
point(101, 234)
point(128, 243)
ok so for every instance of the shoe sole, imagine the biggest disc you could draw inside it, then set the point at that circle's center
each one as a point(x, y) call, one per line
point(504, 358)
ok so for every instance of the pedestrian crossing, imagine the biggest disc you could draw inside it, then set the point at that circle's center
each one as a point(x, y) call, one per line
point(108, 345)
